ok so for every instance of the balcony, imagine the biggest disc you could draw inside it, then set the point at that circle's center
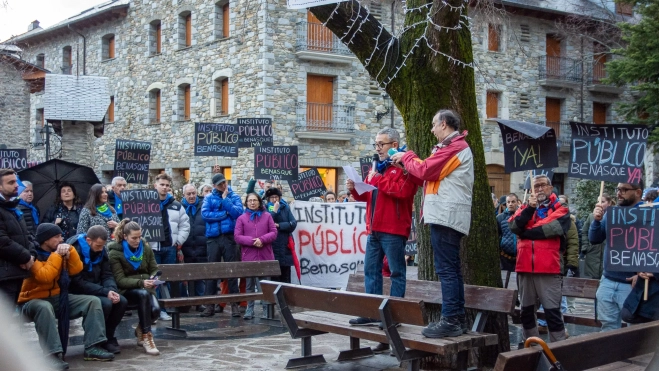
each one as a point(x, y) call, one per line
point(316, 42)
point(325, 121)
point(596, 76)
point(559, 72)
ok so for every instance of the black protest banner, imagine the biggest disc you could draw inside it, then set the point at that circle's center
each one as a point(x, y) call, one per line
point(276, 162)
point(215, 140)
point(365, 164)
point(528, 146)
point(410, 245)
point(308, 184)
point(630, 242)
point(143, 206)
point(254, 132)
point(13, 159)
point(549, 173)
point(613, 153)
point(131, 160)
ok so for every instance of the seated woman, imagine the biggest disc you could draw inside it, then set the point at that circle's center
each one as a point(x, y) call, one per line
point(255, 232)
point(97, 211)
point(134, 267)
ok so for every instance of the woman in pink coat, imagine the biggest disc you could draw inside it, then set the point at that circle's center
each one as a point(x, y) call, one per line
point(255, 232)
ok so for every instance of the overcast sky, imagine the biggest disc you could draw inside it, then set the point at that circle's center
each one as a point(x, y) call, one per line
point(20, 13)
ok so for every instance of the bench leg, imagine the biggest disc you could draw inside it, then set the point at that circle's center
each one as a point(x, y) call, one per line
point(463, 360)
point(355, 351)
point(307, 359)
point(414, 365)
point(175, 329)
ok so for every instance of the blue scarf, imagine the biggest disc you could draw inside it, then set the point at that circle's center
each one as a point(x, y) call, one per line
point(190, 208)
point(42, 253)
point(134, 258)
point(543, 209)
point(164, 202)
point(18, 213)
point(118, 204)
point(33, 210)
point(382, 166)
point(104, 210)
point(86, 251)
point(253, 214)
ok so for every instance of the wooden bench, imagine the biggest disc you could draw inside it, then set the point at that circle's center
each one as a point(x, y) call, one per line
point(175, 273)
point(588, 351)
point(331, 311)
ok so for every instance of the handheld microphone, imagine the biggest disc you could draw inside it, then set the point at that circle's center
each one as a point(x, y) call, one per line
point(376, 159)
point(392, 151)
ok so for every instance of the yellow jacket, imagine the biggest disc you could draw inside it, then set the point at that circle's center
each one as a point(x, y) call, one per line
point(44, 274)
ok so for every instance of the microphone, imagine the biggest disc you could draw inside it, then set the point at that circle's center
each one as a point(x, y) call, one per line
point(392, 151)
point(376, 159)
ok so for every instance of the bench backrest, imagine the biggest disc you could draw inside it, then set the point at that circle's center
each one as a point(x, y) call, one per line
point(481, 298)
point(580, 287)
point(208, 271)
point(344, 302)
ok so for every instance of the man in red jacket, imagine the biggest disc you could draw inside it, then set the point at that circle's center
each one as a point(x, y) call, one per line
point(388, 220)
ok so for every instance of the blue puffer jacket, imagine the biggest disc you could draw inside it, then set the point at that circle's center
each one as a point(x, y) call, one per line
point(220, 214)
point(507, 239)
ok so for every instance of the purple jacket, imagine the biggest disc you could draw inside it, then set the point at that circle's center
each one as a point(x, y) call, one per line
point(247, 230)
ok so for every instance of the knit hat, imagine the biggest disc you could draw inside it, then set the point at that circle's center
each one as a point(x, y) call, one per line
point(45, 231)
point(272, 192)
point(218, 178)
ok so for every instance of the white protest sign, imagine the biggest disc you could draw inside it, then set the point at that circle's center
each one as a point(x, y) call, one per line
point(330, 241)
point(301, 4)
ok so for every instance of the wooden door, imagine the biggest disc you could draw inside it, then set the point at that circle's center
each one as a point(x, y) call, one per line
point(320, 99)
point(553, 114)
point(319, 37)
point(498, 179)
point(225, 20)
point(553, 50)
point(492, 104)
point(599, 113)
point(599, 60)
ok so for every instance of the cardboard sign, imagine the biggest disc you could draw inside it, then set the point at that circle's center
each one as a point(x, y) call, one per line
point(631, 245)
point(330, 241)
point(309, 184)
point(276, 162)
point(613, 153)
point(254, 132)
point(524, 152)
point(216, 140)
point(365, 164)
point(13, 159)
point(410, 245)
point(143, 206)
point(131, 160)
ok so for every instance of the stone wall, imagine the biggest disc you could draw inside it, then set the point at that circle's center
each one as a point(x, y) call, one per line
point(14, 108)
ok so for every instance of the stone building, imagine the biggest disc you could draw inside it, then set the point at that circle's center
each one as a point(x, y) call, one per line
point(175, 62)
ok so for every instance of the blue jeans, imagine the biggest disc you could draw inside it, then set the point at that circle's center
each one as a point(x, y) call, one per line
point(611, 296)
point(199, 288)
point(166, 255)
point(446, 250)
point(378, 245)
point(542, 322)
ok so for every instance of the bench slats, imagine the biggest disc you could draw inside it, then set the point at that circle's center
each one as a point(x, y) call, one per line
point(580, 287)
point(476, 297)
point(348, 303)
point(213, 271)
point(209, 299)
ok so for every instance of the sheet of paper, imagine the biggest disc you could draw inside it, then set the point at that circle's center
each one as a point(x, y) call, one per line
point(360, 186)
point(158, 282)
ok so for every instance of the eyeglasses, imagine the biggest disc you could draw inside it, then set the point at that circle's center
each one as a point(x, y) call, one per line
point(541, 185)
point(624, 190)
point(380, 145)
point(248, 201)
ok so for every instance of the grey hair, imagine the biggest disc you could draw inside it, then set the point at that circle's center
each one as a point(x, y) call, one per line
point(116, 179)
point(188, 185)
point(391, 133)
point(26, 183)
point(201, 188)
point(541, 176)
point(450, 117)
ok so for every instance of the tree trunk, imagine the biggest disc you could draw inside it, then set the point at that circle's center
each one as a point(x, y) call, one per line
point(425, 70)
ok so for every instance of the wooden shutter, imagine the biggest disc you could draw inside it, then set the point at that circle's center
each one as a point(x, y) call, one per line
point(320, 99)
point(599, 113)
point(493, 38)
point(225, 97)
point(110, 47)
point(186, 102)
point(225, 20)
point(553, 50)
point(188, 30)
point(624, 9)
point(599, 60)
point(492, 104)
point(553, 114)
point(319, 37)
point(158, 38)
point(158, 106)
point(111, 110)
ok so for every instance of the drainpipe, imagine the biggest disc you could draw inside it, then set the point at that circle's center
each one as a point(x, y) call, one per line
point(84, 51)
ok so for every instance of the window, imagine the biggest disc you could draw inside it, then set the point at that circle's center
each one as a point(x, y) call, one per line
point(109, 117)
point(221, 20)
point(183, 111)
point(154, 106)
point(492, 104)
point(624, 8)
point(493, 38)
point(155, 37)
point(320, 102)
point(41, 60)
point(599, 113)
point(108, 46)
point(40, 117)
point(328, 175)
point(221, 96)
point(599, 63)
point(184, 30)
point(553, 114)
point(67, 62)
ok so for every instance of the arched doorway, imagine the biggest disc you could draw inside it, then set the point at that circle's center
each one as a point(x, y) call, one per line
point(498, 179)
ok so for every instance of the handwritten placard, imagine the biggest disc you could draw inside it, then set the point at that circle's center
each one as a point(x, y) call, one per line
point(216, 140)
point(411, 245)
point(309, 184)
point(13, 159)
point(276, 162)
point(614, 153)
point(365, 164)
point(143, 206)
point(131, 160)
point(254, 132)
point(523, 152)
point(630, 242)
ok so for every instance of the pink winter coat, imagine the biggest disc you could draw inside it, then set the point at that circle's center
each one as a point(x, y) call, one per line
point(262, 227)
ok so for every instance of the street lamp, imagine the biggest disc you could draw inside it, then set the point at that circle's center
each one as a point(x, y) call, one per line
point(42, 137)
point(387, 103)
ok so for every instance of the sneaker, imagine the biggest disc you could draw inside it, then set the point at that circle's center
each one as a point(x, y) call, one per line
point(446, 327)
point(138, 335)
point(112, 346)
point(55, 362)
point(543, 329)
point(235, 310)
point(208, 312)
point(463, 323)
point(165, 317)
point(95, 353)
point(363, 321)
point(149, 345)
point(380, 348)
point(249, 314)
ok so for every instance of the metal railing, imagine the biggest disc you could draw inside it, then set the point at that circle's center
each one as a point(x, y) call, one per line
point(331, 118)
point(318, 38)
point(559, 68)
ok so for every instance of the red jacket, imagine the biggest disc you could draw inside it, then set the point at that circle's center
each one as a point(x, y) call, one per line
point(391, 211)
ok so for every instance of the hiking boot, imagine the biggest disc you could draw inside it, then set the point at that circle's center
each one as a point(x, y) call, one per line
point(446, 327)
point(463, 323)
point(380, 348)
point(138, 335)
point(543, 329)
point(165, 317)
point(208, 312)
point(95, 353)
point(55, 362)
point(149, 345)
point(363, 321)
point(112, 346)
point(235, 310)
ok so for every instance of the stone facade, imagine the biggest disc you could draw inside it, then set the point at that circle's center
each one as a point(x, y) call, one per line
point(14, 108)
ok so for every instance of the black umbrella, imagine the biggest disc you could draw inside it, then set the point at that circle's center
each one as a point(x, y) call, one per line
point(63, 313)
point(46, 178)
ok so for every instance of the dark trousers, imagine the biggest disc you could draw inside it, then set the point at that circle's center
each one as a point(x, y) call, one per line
point(446, 249)
point(147, 306)
point(113, 313)
point(10, 289)
point(285, 275)
point(222, 248)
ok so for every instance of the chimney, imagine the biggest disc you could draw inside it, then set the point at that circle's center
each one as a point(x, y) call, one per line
point(33, 26)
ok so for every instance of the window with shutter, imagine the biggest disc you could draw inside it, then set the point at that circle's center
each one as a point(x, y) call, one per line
point(110, 114)
point(493, 38)
point(225, 20)
point(492, 104)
